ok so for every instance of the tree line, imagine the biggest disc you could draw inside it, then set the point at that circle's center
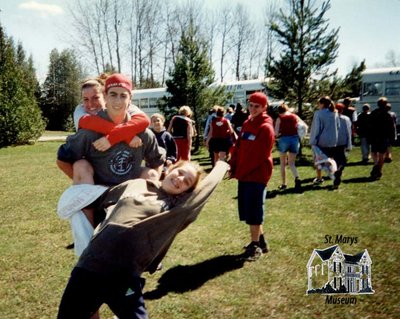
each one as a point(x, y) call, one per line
point(161, 43)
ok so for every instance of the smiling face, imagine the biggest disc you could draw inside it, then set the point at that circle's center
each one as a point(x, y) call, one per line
point(180, 179)
point(157, 123)
point(117, 101)
point(256, 109)
point(92, 99)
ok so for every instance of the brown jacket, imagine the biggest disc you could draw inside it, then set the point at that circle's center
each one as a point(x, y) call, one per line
point(143, 224)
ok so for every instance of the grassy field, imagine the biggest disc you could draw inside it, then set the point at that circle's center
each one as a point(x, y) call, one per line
point(202, 276)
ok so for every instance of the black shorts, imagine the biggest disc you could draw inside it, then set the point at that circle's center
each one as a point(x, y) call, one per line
point(380, 145)
point(220, 144)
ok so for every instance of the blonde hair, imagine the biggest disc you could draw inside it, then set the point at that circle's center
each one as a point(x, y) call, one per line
point(382, 102)
point(199, 172)
point(185, 110)
point(158, 115)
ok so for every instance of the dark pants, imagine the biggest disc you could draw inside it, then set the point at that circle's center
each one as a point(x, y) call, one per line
point(339, 155)
point(86, 291)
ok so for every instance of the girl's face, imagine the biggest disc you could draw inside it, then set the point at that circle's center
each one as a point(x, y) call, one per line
point(92, 99)
point(117, 100)
point(180, 179)
point(157, 123)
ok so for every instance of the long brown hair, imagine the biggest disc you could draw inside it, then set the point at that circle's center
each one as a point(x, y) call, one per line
point(327, 103)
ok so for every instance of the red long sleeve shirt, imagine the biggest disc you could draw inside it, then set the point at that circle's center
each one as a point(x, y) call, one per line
point(252, 155)
point(116, 133)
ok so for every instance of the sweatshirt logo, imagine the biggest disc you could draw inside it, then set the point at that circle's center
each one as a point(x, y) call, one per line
point(121, 163)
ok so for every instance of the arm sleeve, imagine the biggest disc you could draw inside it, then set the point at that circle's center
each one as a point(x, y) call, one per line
point(186, 211)
point(96, 123)
point(116, 133)
point(127, 131)
point(171, 147)
point(78, 114)
point(76, 146)
point(153, 154)
point(207, 127)
point(314, 129)
point(203, 191)
point(348, 130)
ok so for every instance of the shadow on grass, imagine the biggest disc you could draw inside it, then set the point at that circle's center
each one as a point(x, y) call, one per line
point(359, 163)
point(181, 279)
point(310, 187)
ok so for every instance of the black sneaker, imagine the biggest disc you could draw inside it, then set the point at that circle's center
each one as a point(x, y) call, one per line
point(282, 187)
point(318, 181)
point(252, 252)
point(376, 173)
point(297, 184)
point(338, 178)
point(263, 244)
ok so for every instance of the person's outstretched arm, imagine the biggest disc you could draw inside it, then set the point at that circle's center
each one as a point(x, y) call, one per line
point(116, 133)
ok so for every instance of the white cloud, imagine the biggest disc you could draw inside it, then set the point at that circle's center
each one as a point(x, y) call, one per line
point(42, 8)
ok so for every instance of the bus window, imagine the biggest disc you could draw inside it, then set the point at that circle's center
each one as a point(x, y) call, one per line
point(144, 103)
point(392, 88)
point(153, 102)
point(373, 89)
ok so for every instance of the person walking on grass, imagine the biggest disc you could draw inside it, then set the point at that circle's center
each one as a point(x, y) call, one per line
point(363, 132)
point(324, 134)
point(219, 138)
point(252, 165)
point(382, 133)
point(182, 129)
point(288, 144)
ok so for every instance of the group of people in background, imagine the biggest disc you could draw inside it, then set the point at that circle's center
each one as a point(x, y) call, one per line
point(113, 139)
point(377, 131)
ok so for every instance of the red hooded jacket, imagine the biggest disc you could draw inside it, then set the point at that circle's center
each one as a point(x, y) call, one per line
point(252, 154)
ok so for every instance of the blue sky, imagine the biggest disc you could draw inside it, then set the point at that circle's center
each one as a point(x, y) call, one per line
point(368, 28)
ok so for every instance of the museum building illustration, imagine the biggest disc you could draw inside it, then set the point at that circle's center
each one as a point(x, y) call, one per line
point(330, 271)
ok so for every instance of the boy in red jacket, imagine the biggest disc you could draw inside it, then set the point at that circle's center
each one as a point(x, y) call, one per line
point(252, 166)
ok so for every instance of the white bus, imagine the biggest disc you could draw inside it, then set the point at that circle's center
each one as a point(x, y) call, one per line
point(148, 99)
point(380, 82)
point(241, 90)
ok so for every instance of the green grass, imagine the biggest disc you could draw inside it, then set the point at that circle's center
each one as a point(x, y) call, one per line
point(202, 277)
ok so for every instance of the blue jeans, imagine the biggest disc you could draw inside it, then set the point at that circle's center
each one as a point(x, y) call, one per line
point(289, 144)
point(365, 148)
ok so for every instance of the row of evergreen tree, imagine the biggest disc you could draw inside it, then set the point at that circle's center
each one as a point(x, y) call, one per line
point(28, 108)
point(307, 50)
point(20, 115)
